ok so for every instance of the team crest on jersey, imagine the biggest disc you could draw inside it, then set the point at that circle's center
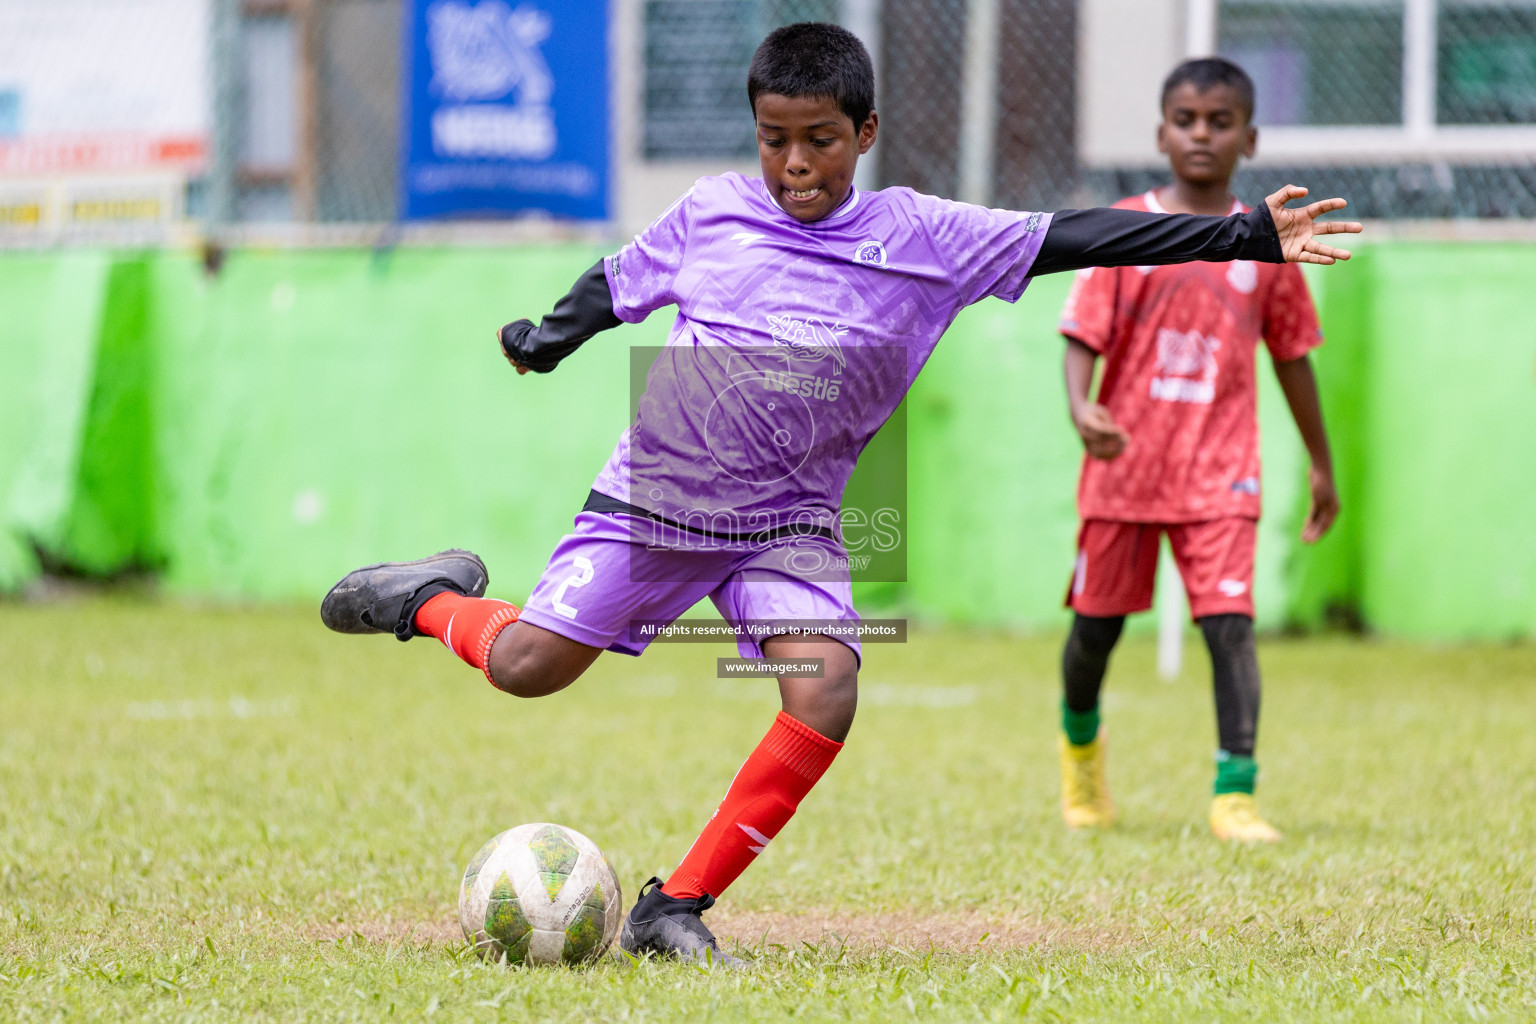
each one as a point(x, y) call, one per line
point(1243, 276)
point(1186, 367)
point(870, 253)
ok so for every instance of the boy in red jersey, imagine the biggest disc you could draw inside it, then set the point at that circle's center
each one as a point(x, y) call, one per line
point(1173, 447)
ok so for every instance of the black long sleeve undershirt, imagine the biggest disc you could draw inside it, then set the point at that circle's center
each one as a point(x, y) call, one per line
point(1075, 239)
point(1131, 238)
point(586, 309)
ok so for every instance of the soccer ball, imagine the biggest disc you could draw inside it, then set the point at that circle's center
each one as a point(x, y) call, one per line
point(540, 894)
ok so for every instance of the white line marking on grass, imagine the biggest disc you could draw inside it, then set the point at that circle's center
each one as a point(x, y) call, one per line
point(897, 695)
point(885, 695)
point(186, 710)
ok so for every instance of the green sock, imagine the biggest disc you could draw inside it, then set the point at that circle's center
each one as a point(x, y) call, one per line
point(1080, 727)
point(1235, 774)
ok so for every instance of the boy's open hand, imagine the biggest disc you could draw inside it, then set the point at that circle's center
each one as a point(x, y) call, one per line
point(1298, 228)
point(1325, 506)
point(1101, 436)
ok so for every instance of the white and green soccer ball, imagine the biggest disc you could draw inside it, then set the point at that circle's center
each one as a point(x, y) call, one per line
point(540, 894)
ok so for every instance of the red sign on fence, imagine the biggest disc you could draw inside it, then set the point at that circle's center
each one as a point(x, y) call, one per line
point(40, 156)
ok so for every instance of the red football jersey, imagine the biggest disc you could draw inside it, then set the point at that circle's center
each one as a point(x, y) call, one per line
point(1180, 350)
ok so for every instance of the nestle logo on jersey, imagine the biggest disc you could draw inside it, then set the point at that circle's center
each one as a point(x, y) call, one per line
point(1186, 364)
point(808, 340)
point(1182, 389)
point(805, 385)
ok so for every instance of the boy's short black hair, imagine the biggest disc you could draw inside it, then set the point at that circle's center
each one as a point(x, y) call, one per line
point(813, 58)
point(1206, 73)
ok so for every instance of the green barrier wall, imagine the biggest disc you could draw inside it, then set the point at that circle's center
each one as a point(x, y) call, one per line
point(257, 433)
point(333, 408)
point(1450, 481)
point(51, 311)
point(111, 522)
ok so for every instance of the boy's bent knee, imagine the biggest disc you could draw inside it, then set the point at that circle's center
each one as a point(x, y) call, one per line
point(528, 661)
point(828, 706)
point(826, 703)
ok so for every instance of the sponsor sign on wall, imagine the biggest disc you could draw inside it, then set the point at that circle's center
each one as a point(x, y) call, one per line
point(104, 111)
point(102, 87)
point(505, 108)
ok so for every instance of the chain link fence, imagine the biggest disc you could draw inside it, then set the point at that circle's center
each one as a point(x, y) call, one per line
point(1328, 65)
point(1411, 108)
point(1439, 96)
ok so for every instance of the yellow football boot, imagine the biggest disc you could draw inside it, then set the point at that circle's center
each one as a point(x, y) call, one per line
point(1085, 801)
point(1235, 819)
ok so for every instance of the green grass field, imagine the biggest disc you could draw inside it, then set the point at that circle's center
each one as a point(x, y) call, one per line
point(219, 814)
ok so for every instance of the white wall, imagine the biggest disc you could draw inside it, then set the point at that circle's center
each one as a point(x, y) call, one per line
point(106, 67)
point(1125, 48)
point(644, 189)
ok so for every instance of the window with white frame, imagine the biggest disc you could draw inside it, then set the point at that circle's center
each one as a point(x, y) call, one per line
point(1485, 62)
point(696, 54)
point(1362, 81)
point(1317, 63)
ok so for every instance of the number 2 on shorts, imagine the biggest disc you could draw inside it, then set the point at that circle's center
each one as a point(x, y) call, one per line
point(580, 578)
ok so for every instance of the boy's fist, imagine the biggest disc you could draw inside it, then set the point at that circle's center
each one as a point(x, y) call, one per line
point(1102, 438)
point(1325, 506)
point(521, 369)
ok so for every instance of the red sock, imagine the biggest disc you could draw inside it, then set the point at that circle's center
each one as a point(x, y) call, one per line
point(761, 800)
point(467, 626)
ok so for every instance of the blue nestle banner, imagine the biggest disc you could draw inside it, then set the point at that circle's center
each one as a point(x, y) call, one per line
point(505, 108)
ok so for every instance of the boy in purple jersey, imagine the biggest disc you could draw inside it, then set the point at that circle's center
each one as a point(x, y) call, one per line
point(805, 310)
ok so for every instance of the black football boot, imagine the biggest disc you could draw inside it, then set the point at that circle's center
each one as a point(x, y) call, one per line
point(384, 598)
point(671, 927)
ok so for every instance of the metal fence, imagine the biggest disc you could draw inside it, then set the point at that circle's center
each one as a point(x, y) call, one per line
point(1412, 108)
point(979, 99)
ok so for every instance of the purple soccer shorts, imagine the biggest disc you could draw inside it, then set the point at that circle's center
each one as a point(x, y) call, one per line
point(615, 571)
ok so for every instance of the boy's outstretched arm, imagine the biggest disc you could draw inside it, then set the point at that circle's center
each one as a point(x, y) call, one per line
point(586, 309)
point(1269, 233)
point(1300, 387)
point(1102, 438)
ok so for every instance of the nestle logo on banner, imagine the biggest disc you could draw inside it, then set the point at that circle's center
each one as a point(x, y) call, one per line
point(487, 52)
point(493, 132)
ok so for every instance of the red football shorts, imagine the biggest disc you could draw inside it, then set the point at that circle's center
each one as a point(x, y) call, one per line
point(1117, 566)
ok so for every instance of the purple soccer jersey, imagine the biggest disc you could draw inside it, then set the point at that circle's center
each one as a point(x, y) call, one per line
point(793, 342)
